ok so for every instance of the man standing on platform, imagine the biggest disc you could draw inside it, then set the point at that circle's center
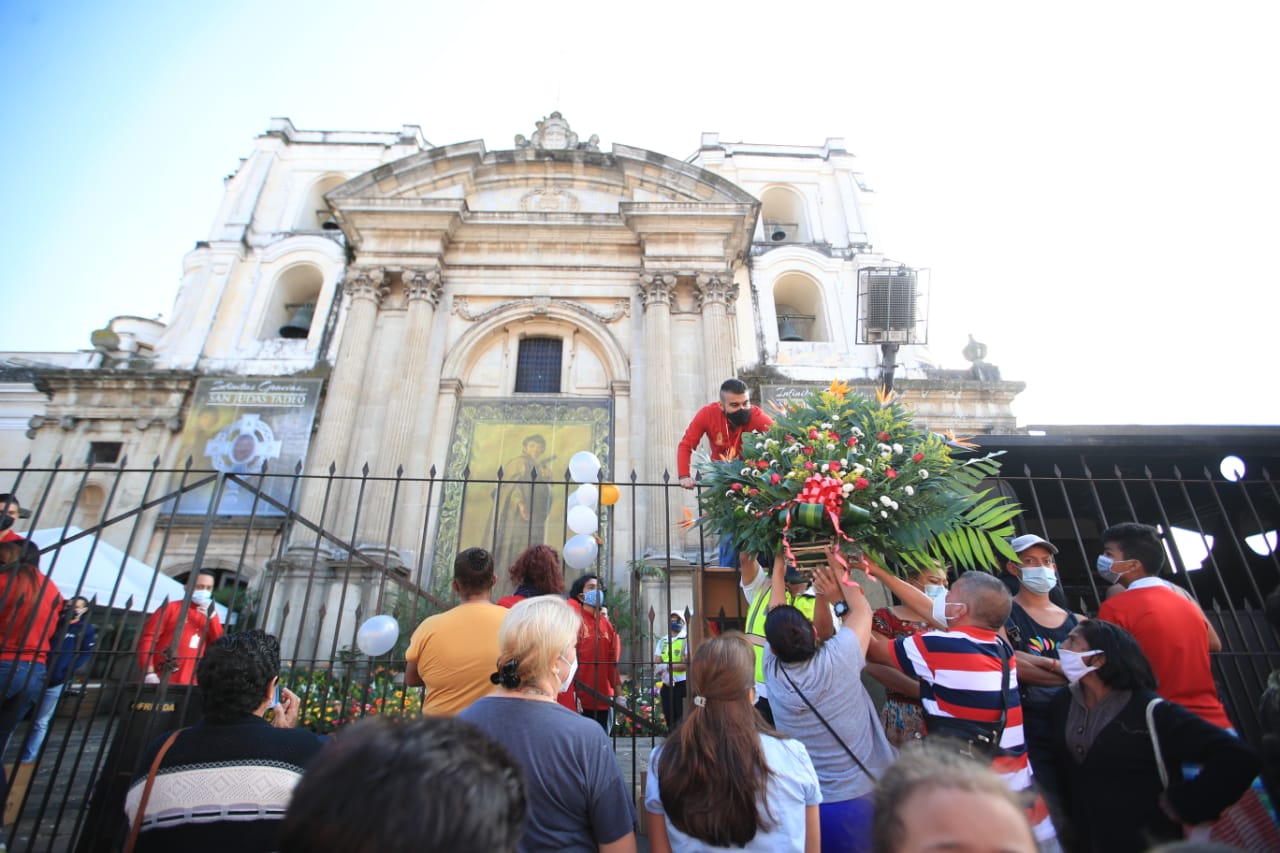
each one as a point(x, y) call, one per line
point(200, 628)
point(723, 424)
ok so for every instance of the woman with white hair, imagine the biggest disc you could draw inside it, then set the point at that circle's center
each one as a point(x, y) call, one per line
point(578, 800)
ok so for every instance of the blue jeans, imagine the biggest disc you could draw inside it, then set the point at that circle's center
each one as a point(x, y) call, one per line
point(40, 721)
point(20, 684)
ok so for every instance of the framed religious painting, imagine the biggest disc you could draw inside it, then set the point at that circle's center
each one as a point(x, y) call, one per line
point(507, 485)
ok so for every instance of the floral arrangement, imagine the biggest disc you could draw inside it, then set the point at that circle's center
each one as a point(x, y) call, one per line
point(329, 701)
point(839, 466)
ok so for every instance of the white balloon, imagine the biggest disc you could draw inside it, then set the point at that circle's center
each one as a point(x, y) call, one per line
point(584, 467)
point(378, 635)
point(587, 495)
point(580, 551)
point(583, 519)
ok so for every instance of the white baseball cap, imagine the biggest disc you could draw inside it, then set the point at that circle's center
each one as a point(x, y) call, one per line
point(1022, 543)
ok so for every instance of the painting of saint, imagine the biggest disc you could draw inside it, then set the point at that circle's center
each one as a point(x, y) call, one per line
point(522, 502)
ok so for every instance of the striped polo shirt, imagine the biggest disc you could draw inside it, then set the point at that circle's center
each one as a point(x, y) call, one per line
point(960, 673)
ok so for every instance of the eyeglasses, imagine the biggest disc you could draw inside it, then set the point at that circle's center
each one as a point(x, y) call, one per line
point(1039, 564)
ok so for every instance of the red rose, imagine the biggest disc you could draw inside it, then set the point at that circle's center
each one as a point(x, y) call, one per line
point(853, 441)
point(833, 435)
point(775, 478)
point(813, 433)
point(737, 487)
point(919, 457)
point(790, 438)
point(763, 464)
point(890, 473)
point(860, 483)
point(754, 492)
point(809, 466)
point(808, 448)
point(835, 464)
point(883, 436)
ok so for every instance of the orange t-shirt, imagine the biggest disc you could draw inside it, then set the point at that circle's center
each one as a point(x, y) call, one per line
point(455, 652)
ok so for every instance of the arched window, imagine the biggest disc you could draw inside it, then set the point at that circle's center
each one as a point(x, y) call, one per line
point(798, 306)
point(292, 309)
point(314, 215)
point(782, 216)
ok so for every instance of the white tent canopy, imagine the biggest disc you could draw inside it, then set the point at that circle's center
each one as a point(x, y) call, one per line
point(75, 572)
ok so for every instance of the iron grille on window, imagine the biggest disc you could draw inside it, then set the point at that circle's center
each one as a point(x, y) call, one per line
point(538, 366)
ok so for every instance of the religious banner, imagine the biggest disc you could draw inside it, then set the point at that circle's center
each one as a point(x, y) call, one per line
point(239, 425)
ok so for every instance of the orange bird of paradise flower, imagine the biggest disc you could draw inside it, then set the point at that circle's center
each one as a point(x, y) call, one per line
point(838, 387)
point(689, 521)
point(965, 441)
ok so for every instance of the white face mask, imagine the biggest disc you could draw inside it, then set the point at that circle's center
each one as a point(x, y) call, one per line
point(938, 594)
point(1039, 579)
point(1073, 665)
point(573, 670)
point(945, 617)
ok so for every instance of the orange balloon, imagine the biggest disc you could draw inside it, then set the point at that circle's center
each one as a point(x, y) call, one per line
point(609, 494)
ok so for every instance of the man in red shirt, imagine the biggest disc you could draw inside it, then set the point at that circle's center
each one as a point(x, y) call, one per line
point(1171, 629)
point(199, 627)
point(723, 424)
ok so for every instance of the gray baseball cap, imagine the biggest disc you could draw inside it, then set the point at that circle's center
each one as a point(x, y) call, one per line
point(1025, 541)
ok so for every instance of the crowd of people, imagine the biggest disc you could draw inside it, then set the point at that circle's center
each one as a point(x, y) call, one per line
point(1010, 723)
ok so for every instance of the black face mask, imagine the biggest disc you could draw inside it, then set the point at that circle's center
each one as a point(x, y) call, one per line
point(740, 417)
point(6, 521)
point(677, 626)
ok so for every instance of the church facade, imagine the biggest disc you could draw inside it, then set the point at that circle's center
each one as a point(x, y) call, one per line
point(429, 333)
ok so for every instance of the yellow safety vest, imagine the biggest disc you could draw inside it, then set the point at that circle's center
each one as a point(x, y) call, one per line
point(673, 652)
point(805, 604)
point(756, 614)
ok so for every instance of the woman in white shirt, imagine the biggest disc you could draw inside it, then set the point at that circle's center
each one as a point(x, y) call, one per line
point(724, 779)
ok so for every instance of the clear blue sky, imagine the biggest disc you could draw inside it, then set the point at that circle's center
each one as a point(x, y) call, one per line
point(1094, 186)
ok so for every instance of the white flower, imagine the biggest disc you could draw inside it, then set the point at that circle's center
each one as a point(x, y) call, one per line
point(924, 475)
point(858, 470)
point(826, 426)
point(897, 448)
point(884, 514)
point(893, 505)
point(825, 467)
point(909, 490)
point(746, 472)
point(885, 500)
point(847, 488)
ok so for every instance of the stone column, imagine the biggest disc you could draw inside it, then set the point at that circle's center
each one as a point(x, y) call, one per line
point(422, 290)
point(662, 435)
point(717, 291)
point(365, 289)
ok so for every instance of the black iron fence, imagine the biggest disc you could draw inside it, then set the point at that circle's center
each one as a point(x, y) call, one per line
point(309, 569)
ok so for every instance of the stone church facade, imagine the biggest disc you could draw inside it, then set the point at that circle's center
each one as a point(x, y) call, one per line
point(452, 302)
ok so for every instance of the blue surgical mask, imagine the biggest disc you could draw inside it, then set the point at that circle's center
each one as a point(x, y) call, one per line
point(201, 597)
point(1104, 565)
point(1039, 579)
point(593, 597)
